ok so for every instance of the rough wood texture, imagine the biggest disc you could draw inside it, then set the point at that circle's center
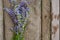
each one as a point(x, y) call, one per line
point(33, 30)
point(46, 20)
point(1, 21)
point(55, 19)
point(8, 23)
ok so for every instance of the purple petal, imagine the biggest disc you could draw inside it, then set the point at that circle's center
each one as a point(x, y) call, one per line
point(11, 1)
point(22, 3)
point(15, 29)
point(10, 11)
point(27, 9)
point(15, 21)
point(12, 15)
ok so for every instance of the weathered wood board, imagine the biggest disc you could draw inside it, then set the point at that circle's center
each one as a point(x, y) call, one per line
point(55, 19)
point(40, 20)
point(1, 20)
point(33, 31)
point(8, 22)
point(46, 19)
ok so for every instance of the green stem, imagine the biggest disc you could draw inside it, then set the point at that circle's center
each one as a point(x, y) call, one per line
point(18, 36)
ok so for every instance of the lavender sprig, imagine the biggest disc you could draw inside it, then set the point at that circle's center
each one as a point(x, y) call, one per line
point(19, 15)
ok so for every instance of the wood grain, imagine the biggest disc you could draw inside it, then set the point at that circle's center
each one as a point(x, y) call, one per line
point(8, 22)
point(46, 19)
point(55, 20)
point(1, 20)
point(33, 30)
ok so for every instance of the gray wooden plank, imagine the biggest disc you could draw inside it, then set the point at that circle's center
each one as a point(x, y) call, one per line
point(33, 30)
point(55, 19)
point(8, 22)
point(46, 20)
point(1, 20)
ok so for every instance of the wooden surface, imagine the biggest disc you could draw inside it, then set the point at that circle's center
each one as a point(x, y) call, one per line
point(33, 30)
point(8, 22)
point(55, 19)
point(1, 21)
point(40, 20)
point(46, 19)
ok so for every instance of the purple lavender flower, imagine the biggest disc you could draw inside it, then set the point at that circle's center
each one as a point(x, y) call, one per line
point(10, 11)
point(18, 10)
point(13, 1)
point(15, 21)
point(22, 4)
point(18, 28)
point(22, 10)
point(24, 7)
point(12, 15)
point(10, 1)
point(21, 25)
point(15, 29)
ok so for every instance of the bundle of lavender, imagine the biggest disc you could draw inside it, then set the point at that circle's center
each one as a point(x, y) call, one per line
point(19, 13)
